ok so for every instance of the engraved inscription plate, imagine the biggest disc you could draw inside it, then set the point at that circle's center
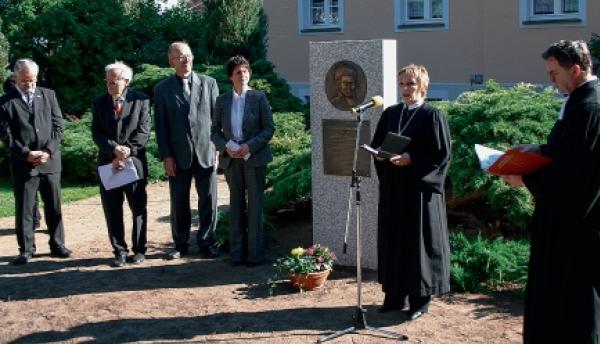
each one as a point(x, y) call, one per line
point(345, 85)
point(338, 147)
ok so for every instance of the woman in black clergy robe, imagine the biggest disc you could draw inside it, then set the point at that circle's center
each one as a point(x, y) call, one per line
point(413, 249)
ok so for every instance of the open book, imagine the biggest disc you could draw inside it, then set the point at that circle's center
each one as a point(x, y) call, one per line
point(510, 162)
point(393, 144)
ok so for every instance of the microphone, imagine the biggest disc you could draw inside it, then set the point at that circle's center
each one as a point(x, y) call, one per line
point(376, 101)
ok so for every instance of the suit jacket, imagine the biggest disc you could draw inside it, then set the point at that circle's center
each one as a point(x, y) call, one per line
point(182, 129)
point(257, 127)
point(24, 130)
point(130, 129)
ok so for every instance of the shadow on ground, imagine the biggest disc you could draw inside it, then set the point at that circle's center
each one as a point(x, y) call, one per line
point(120, 331)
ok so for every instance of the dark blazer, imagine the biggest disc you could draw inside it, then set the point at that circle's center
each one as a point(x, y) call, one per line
point(130, 129)
point(24, 131)
point(183, 129)
point(257, 125)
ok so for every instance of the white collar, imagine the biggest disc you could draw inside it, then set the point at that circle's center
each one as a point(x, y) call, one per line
point(243, 94)
point(415, 105)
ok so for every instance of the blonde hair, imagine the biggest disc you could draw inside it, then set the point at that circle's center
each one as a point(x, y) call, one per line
point(419, 72)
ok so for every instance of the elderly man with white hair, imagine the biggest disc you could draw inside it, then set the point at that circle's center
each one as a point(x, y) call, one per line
point(120, 129)
point(31, 125)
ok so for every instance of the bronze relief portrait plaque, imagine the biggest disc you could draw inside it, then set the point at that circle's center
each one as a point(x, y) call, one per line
point(345, 85)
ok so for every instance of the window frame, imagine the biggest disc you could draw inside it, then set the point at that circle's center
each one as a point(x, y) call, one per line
point(559, 18)
point(305, 25)
point(403, 23)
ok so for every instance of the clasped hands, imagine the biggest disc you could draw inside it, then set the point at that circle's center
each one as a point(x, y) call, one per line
point(37, 158)
point(121, 153)
point(240, 153)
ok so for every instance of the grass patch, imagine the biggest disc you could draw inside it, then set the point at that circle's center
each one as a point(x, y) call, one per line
point(70, 193)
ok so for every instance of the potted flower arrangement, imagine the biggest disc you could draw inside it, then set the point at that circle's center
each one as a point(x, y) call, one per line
point(307, 268)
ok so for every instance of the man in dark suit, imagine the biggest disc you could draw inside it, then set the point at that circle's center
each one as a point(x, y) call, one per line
point(120, 128)
point(8, 85)
point(562, 299)
point(31, 125)
point(183, 106)
point(241, 130)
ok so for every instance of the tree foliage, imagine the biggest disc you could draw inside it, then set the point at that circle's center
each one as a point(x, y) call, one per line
point(499, 118)
point(4, 46)
point(71, 40)
point(232, 27)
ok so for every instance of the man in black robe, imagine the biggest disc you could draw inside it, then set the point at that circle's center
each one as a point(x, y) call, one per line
point(413, 249)
point(562, 299)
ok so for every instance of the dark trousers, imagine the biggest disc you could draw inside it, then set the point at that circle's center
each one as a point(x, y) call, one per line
point(181, 214)
point(246, 241)
point(112, 203)
point(25, 190)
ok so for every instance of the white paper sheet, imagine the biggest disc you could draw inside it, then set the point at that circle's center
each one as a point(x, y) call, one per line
point(112, 178)
point(487, 156)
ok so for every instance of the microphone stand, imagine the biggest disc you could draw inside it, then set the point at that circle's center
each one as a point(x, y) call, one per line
point(360, 314)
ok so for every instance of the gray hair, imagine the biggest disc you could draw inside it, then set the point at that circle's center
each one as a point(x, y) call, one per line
point(29, 64)
point(126, 71)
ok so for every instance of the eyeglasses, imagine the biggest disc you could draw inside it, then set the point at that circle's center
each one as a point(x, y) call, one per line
point(114, 81)
point(184, 57)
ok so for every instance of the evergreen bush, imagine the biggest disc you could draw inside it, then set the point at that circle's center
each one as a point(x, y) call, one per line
point(481, 265)
point(500, 118)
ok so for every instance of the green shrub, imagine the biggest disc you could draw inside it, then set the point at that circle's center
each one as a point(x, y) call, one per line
point(481, 265)
point(497, 117)
point(79, 151)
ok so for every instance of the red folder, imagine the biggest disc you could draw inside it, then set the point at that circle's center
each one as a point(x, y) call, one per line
point(518, 162)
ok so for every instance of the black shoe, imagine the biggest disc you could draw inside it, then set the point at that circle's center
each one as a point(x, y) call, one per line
point(210, 251)
point(120, 260)
point(254, 264)
point(23, 258)
point(237, 262)
point(138, 258)
point(60, 252)
point(176, 254)
point(387, 309)
point(414, 314)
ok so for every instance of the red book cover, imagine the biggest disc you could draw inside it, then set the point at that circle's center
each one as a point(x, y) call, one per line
point(517, 162)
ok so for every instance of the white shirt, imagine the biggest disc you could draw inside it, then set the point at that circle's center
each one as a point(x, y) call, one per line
point(24, 95)
point(237, 114)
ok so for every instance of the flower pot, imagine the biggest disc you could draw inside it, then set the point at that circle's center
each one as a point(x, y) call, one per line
point(310, 281)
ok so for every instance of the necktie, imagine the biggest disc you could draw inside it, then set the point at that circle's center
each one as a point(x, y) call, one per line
point(187, 93)
point(118, 107)
point(29, 98)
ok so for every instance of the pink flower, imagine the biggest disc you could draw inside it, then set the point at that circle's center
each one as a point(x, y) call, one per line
point(320, 259)
point(332, 256)
point(310, 251)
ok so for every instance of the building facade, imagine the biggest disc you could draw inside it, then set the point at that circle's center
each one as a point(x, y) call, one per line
point(461, 42)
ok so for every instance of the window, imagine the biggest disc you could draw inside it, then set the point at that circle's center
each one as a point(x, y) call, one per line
point(542, 12)
point(320, 15)
point(421, 14)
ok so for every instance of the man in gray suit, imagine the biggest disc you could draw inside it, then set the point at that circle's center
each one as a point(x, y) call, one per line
point(31, 125)
point(241, 130)
point(183, 106)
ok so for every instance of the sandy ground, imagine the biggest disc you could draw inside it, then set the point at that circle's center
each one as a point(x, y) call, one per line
point(199, 300)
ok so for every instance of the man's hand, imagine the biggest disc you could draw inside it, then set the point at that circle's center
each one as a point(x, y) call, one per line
point(401, 160)
point(122, 152)
point(118, 164)
point(514, 180)
point(169, 165)
point(240, 153)
point(36, 158)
